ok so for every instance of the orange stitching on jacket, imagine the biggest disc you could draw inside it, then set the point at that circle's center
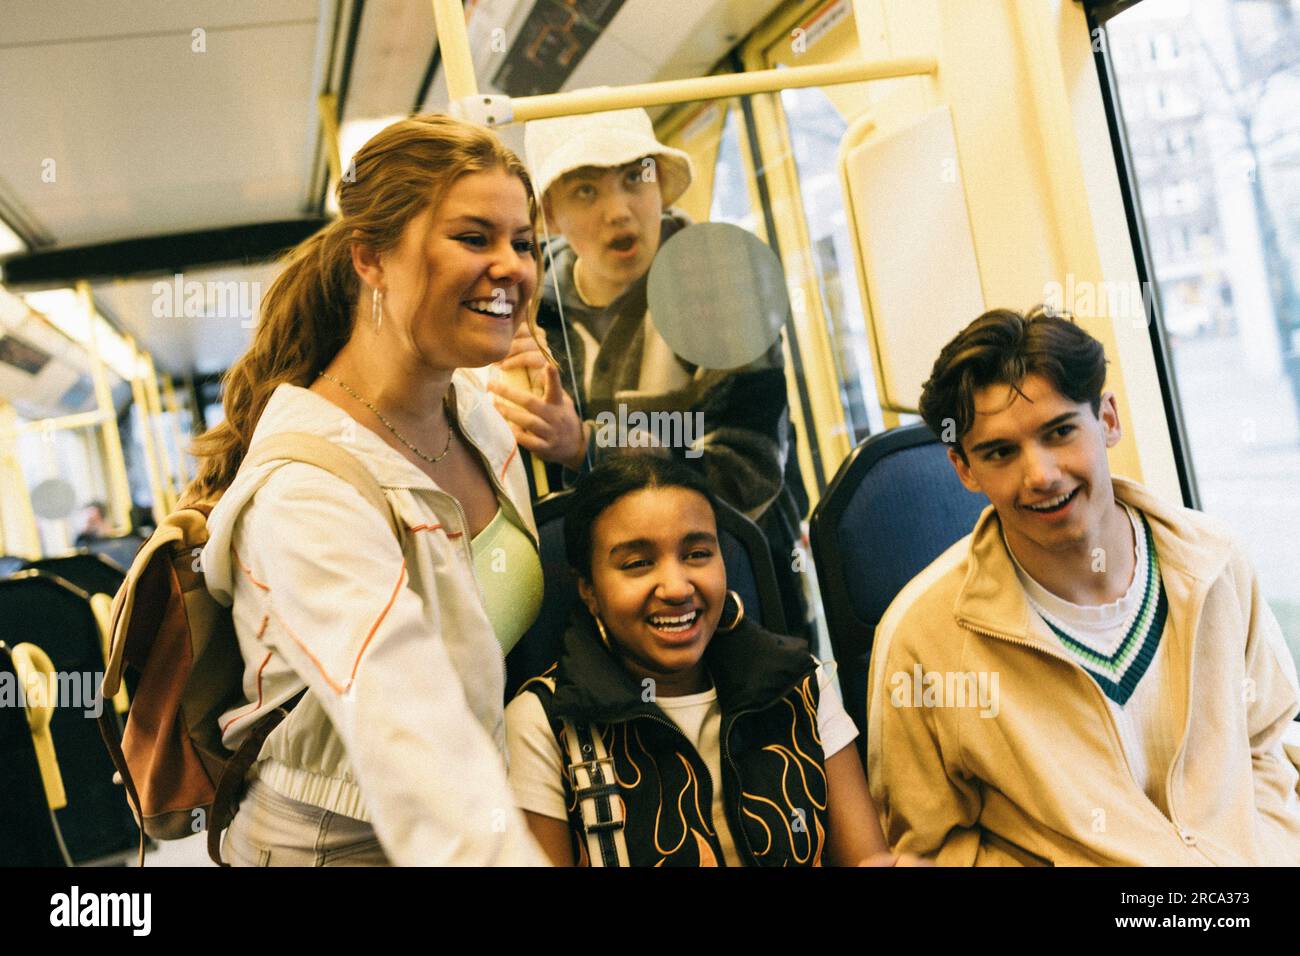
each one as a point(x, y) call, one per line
point(514, 451)
point(333, 685)
point(436, 527)
point(249, 571)
point(374, 627)
point(266, 660)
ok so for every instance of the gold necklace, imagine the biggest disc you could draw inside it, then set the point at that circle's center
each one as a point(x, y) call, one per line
point(389, 425)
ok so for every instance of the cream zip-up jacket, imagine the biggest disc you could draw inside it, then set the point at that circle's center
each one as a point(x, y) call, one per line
point(403, 724)
point(1046, 781)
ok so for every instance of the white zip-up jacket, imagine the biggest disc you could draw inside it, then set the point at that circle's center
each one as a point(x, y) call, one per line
point(403, 724)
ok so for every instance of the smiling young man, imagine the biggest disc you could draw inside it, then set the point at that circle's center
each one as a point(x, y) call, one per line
point(1145, 687)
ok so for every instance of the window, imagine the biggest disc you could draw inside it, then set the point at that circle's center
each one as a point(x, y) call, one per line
point(731, 201)
point(816, 129)
point(1227, 271)
point(1161, 50)
point(1181, 197)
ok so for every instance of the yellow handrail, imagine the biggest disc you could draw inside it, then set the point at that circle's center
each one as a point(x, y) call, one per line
point(160, 506)
point(102, 607)
point(36, 675)
point(60, 423)
point(458, 67)
point(719, 87)
point(453, 45)
point(22, 537)
point(327, 106)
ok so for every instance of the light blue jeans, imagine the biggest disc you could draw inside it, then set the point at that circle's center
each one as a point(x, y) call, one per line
point(272, 830)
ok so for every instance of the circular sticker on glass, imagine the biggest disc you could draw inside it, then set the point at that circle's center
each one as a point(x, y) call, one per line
point(53, 499)
point(717, 295)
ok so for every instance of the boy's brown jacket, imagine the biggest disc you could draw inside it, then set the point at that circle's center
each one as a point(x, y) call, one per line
point(1045, 781)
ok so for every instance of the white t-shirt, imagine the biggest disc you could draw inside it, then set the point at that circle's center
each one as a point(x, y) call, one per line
point(536, 764)
point(1148, 723)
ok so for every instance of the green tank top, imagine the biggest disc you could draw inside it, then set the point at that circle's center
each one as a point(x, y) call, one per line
point(510, 576)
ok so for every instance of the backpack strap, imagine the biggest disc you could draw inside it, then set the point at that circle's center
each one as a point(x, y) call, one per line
point(230, 786)
point(591, 774)
point(328, 456)
point(591, 769)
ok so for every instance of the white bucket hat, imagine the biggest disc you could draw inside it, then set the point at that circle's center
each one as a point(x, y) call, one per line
point(561, 145)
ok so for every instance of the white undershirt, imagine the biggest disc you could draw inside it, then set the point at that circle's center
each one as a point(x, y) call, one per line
point(1100, 627)
point(1149, 729)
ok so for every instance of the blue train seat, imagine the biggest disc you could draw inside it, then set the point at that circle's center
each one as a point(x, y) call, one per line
point(894, 506)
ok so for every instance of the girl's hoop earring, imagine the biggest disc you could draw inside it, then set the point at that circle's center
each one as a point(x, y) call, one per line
point(740, 612)
point(377, 308)
point(604, 637)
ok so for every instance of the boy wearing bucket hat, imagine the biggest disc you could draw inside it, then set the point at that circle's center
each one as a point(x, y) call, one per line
point(606, 185)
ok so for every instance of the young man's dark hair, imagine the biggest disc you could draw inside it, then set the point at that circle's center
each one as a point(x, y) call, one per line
point(1003, 346)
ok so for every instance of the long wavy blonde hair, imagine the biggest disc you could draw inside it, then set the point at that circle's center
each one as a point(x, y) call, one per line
point(309, 312)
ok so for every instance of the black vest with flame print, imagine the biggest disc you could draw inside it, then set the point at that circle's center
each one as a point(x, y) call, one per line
point(774, 778)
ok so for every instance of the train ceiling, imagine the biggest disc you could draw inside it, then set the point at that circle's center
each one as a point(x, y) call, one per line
point(177, 122)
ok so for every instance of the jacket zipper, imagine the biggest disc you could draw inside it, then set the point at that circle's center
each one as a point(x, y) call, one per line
point(498, 489)
point(1172, 819)
point(1182, 743)
point(468, 551)
point(738, 830)
point(678, 731)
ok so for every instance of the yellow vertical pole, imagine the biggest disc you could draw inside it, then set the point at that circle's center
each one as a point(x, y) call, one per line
point(155, 420)
point(169, 399)
point(119, 487)
point(97, 449)
point(146, 435)
point(453, 44)
point(21, 536)
point(327, 105)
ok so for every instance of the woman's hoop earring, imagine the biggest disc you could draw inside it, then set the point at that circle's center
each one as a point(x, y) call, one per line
point(377, 308)
point(740, 612)
point(604, 637)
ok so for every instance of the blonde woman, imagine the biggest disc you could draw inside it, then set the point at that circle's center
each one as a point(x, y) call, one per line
point(394, 754)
